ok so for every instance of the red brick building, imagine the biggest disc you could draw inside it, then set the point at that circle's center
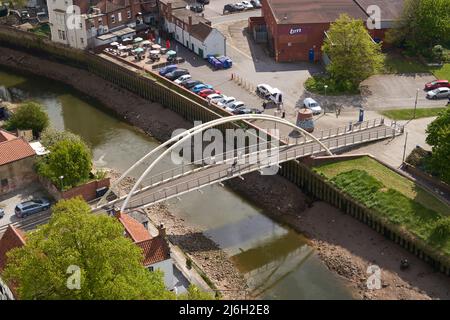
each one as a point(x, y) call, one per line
point(296, 28)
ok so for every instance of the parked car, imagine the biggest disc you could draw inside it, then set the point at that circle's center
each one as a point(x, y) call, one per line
point(439, 93)
point(239, 6)
point(30, 207)
point(247, 5)
point(230, 8)
point(191, 83)
point(437, 84)
point(203, 1)
point(225, 100)
point(312, 105)
point(246, 110)
point(213, 98)
point(167, 69)
point(256, 3)
point(200, 87)
point(176, 74)
point(206, 92)
point(197, 7)
point(183, 78)
point(2, 213)
point(263, 90)
point(234, 105)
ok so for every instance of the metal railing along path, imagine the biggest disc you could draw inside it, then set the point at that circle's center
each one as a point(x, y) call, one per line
point(219, 172)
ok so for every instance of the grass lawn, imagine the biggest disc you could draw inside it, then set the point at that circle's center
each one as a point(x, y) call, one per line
point(396, 207)
point(407, 114)
point(442, 72)
point(400, 64)
point(390, 179)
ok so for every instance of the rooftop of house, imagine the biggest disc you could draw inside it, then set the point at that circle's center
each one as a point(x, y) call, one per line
point(176, 4)
point(135, 230)
point(200, 31)
point(12, 238)
point(326, 11)
point(183, 14)
point(155, 249)
point(13, 148)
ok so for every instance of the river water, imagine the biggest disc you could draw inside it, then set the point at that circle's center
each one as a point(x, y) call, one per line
point(276, 261)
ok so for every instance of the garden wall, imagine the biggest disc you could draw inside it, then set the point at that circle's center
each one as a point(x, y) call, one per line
point(87, 190)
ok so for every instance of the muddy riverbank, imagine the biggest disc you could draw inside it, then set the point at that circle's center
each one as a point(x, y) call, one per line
point(345, 245)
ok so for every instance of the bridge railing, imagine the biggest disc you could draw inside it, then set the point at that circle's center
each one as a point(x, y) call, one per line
point(286, 153)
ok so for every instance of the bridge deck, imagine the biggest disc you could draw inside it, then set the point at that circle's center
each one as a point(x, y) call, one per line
point(179, 183)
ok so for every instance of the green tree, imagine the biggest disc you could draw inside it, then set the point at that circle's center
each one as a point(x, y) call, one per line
point(68, 158)
point(354, 56)
point(422, 25)
point(194, 293)
point(29, 116)
point(438, 136)
point(110, 264)
point(51, 136)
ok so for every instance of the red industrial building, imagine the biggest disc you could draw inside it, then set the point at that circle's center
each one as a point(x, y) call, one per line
point(296, 28)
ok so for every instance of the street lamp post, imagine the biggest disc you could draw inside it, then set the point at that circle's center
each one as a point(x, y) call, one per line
point(61, 179)
point(324, 108)
point(415, 104)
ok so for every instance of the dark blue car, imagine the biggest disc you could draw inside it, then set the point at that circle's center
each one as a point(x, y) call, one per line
point(167, 69)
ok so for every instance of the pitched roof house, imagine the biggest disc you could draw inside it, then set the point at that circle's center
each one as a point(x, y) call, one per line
point(155, 250)
point(16, 162)
point(12, 238)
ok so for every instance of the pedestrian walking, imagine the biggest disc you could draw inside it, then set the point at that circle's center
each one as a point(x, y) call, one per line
point(283, 115)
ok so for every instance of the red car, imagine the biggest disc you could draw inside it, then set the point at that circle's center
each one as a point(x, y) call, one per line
point(437, 84)
point(206, 92)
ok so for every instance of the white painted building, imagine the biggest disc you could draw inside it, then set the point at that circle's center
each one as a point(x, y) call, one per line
point(192, 30)
point(64, 28)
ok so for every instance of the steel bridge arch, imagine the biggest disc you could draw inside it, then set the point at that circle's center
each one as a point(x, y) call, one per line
point(180, 138)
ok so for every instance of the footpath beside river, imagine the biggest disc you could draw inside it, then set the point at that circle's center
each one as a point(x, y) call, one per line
point(345, 245)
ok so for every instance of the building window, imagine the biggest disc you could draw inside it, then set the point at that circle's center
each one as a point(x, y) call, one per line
point(119, 16)
point(150, 269)
point(59, 34)
point(82, 40)
point(4, 182)
point(63, 33)
point(129, 14)
point(113, 18)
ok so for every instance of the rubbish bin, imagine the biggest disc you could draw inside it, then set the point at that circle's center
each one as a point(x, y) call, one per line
point(100, 192)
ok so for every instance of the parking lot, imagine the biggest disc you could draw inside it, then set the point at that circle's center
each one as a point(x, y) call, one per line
point(10, 200)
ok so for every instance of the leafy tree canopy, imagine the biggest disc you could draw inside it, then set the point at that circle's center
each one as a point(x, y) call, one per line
point(354, 56)
point(69, 158)
point(29, 116)
point(110, 265)
point(422, 25)
point(438, 136)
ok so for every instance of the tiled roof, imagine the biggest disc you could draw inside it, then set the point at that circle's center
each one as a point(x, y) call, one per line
point(154, 250)
point(12, 238)
point(200, 31)
point(6, 136)
point(134, 229)
point(13, 150)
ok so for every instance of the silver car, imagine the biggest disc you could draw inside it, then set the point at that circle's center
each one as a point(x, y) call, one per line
point(30, 207)
point(439, 93)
